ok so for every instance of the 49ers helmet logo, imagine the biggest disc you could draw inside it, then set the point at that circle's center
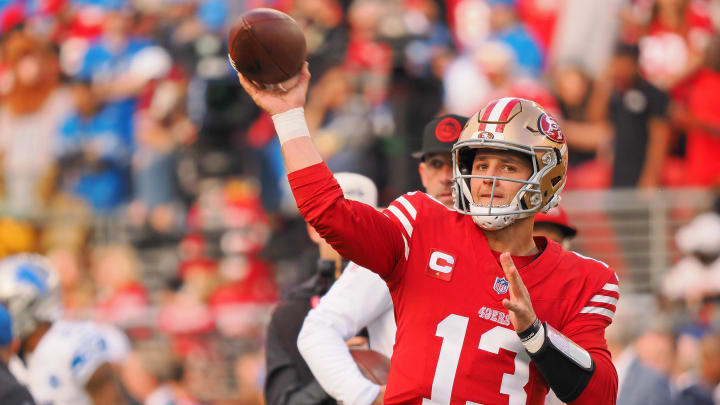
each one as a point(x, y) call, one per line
point(548, 127)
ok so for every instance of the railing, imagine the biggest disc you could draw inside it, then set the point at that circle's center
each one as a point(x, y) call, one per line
point(633, 230)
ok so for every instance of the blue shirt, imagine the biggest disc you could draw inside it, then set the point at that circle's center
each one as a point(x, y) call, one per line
point(527, 51)
point(109, 135)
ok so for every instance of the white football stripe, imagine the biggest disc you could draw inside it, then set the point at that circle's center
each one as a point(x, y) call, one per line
point(496, 111)
point(402, 218)
point(598, 310)
point(410, 209)
point(604, 299)
point(407, 248)
point(611, 287)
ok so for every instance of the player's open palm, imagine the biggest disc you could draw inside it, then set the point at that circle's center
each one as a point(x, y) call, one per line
point(521, 312)
point(276, 101)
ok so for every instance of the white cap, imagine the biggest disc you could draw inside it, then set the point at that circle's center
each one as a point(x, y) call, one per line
point(701, 235)
point(358, 188)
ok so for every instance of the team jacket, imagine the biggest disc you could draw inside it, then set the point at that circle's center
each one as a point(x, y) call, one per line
point(454, 342)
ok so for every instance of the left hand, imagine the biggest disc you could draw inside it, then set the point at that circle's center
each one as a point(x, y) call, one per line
point(521, 311)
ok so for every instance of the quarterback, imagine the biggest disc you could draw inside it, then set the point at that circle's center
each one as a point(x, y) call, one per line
point(485, 313)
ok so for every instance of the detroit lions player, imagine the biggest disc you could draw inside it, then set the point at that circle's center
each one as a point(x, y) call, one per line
point(62, 362)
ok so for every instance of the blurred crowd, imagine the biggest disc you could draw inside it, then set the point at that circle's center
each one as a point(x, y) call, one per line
point(159, 192)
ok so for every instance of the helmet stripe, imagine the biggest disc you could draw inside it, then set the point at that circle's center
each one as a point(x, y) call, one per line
point(506, 114)
point(486, 115)
point(496, 113)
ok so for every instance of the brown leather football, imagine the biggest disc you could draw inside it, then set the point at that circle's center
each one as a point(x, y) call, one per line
point(373, 365)
point(266, 46)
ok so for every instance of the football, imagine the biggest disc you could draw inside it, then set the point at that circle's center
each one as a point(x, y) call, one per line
point(267, 46)
point(373, 365)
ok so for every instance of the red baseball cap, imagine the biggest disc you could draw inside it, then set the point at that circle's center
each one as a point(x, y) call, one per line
point(557, 216)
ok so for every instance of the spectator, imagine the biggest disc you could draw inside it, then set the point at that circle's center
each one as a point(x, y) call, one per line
point(702, 124)
point(697, 275)
point(94, 149)
point(585, 34)
point(638, 112)
point(673, 47)
point(588, 142)
point(162, 127)
point(505, 27)
point(121, 298)
point(11, 391)
point(643, 348)
point(700, 388)
point(495, 70)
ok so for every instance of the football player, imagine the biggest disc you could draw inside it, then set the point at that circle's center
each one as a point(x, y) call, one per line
point(485, 313)
point(61, 362)
point(360, 299)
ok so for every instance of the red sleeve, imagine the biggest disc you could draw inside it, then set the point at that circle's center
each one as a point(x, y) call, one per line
point(587, 329)
point(359, 232)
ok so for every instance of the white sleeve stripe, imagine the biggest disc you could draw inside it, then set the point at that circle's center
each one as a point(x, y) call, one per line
point(407, 248)
point(402, 218)
point(604, 299)
point(410, 209)
point(611, 287)
point(597, 310)
point(590, 258)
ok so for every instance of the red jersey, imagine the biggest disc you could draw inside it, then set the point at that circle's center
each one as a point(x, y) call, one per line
point(455, 343)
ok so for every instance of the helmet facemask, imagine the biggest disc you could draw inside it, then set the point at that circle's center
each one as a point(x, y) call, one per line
point(526, 201)
point(513, 125)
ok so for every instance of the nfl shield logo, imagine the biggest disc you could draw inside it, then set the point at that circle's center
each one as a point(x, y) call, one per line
point(501, 285)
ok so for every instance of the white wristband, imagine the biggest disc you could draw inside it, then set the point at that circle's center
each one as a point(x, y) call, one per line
point(535, 343)
point(290, 124)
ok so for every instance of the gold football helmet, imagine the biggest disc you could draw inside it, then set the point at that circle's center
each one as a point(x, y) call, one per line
point(519, 125)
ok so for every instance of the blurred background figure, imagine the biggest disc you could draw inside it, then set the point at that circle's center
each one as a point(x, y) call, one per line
point(555, 225)
point(700, 387)
point(638, 112)
point(643, 353)
point(695, 279)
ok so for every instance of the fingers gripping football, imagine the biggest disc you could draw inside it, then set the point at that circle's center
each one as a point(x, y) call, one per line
point(519, 305)
point(276, 101)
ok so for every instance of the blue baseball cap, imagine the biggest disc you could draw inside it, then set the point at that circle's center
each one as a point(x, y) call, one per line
point(6, 330)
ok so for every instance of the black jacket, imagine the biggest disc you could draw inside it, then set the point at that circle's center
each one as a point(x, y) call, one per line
point(11, 391)
point(289, 379)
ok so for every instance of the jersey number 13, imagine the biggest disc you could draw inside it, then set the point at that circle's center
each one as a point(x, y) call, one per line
point(452, 330)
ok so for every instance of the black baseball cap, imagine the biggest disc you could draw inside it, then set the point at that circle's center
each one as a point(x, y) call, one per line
point(440, 134)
